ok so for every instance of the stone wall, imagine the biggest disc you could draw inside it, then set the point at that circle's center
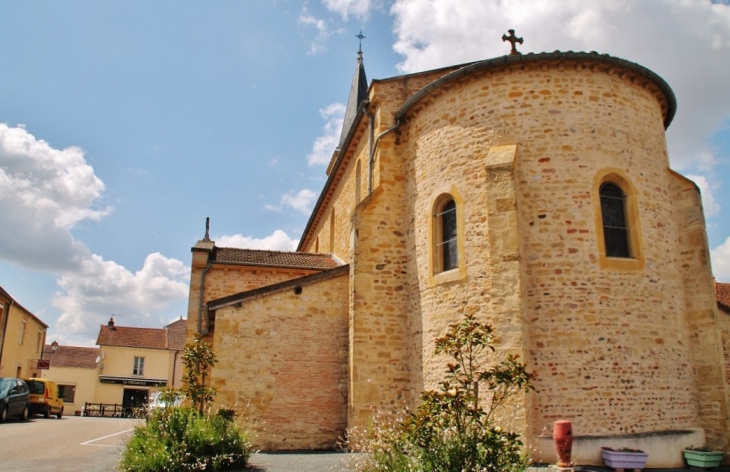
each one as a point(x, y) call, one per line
point(283, 358)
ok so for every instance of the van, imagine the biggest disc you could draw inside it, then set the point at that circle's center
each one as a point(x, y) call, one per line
point(45, 397)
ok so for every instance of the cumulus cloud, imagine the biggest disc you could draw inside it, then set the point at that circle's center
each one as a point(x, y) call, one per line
point(102, 288)
point(277, 241)
point(721, 261)
point(301, 201)
point(44, 193)
point(360, 9)
point(709, 204)
point(685, 42)
point(326, 143)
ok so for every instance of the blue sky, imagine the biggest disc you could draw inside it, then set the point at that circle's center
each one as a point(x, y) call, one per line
point(123, 125)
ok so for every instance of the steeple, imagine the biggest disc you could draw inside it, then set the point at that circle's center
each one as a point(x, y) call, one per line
point(358, 93)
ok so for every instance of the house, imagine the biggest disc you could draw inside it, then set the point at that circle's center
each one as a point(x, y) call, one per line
point(22, 337)
point(76, 371)
point(532, 191)
point(135, 361)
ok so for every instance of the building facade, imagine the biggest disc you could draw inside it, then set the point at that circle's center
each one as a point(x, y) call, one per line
point(23, 336)
point(133, 362)
point(76, 371)
point(533, 191)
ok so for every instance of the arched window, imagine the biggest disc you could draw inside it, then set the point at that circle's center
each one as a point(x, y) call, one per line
point(447, 250)
point(615, 223)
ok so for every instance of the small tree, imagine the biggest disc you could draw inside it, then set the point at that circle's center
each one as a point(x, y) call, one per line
point(198, 360)
point(450, 430)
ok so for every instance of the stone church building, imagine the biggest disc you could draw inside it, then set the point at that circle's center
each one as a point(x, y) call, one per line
point(531, 190)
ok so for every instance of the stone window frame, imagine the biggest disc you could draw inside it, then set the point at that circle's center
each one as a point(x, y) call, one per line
point(436, 273)
point(635, 259)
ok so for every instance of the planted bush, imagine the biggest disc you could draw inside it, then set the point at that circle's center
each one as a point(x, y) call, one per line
point(181, 439)
point(450, 430)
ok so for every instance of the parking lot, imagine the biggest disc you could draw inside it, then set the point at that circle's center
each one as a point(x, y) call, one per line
point(70, 443)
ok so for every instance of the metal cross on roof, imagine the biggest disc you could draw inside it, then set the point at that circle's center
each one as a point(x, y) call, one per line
point(512, 39)
point(360, 37)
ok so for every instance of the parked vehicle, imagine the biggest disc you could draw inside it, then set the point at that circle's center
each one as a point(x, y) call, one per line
point(14, 398)
point(45, 397)
point(156, 402)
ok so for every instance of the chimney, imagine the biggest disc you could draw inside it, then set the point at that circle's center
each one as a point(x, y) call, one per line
point(110, 325)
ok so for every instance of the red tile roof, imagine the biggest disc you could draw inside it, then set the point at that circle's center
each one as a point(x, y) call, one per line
point(176, 332)
point(723, 296)
point(299, 260)
point(72, 356)
point(123, 336)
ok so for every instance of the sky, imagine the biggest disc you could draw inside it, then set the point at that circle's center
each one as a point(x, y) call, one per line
point(123, 125)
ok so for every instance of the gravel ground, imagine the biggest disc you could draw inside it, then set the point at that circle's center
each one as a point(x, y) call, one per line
point(316, 461)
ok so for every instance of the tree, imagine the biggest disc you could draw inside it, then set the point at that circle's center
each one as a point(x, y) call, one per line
point(198, 360)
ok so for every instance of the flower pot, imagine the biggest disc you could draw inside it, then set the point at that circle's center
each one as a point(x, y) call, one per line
point(625, 460)
point(703, 458)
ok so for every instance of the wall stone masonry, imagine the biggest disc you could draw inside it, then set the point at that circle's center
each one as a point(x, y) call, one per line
point(625, 348)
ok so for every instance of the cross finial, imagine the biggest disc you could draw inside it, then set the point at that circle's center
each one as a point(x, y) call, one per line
point(512, 39)
point(360, 37)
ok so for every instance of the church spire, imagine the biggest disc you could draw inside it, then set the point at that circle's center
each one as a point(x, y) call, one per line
point(358, 93)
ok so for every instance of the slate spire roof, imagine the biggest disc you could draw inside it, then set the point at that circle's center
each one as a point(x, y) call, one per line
point(358, 93)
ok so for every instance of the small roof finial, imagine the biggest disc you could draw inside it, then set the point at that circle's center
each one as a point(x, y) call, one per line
point(512, 39)
point(360, 37)
point(207, 229)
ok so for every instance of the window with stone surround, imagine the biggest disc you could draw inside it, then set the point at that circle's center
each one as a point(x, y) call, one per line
point(447, 250)
point(446, 258)
point(615, 226)
point(618, 231)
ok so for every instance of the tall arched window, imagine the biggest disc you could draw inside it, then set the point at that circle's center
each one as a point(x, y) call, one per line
point(615, 224)
point(447, 242)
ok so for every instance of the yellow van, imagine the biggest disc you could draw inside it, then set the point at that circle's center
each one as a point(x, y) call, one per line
point(45, 397)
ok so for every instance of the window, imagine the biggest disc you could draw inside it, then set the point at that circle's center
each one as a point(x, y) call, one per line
point(21, 335)
point(615, 228)
point(447, 242)
point(67, 392)
point(138, 366)
point(618, 225)
point(39, 341)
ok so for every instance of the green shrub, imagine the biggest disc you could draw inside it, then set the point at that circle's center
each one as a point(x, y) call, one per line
point(181, 439)
point(450, 431)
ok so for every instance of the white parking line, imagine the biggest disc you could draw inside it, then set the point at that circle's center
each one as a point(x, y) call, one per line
point(88, 443)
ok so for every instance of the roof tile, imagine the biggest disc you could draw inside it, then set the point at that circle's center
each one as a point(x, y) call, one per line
point(299, 260)
point(72, 356)
point(147, 338)
point(723, 296)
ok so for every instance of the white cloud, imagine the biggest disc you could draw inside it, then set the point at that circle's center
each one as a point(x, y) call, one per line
point(323, 32)
point(301, 201)
point(721, 261)
point(102, 288)
point(709, 204)
point(685, 42)
point(44, 193)
point(277, 241)
point(358, 8)
point(325, 144)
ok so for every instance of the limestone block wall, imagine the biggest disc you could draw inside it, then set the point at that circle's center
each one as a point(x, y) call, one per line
point(222, 280)
point(285, 363)
point(610, 344)
point(708, 326)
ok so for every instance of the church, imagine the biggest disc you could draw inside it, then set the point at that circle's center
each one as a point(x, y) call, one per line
point(531, 190)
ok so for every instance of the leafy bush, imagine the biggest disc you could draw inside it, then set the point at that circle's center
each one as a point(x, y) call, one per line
point(450, 430)
point(181, 439)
